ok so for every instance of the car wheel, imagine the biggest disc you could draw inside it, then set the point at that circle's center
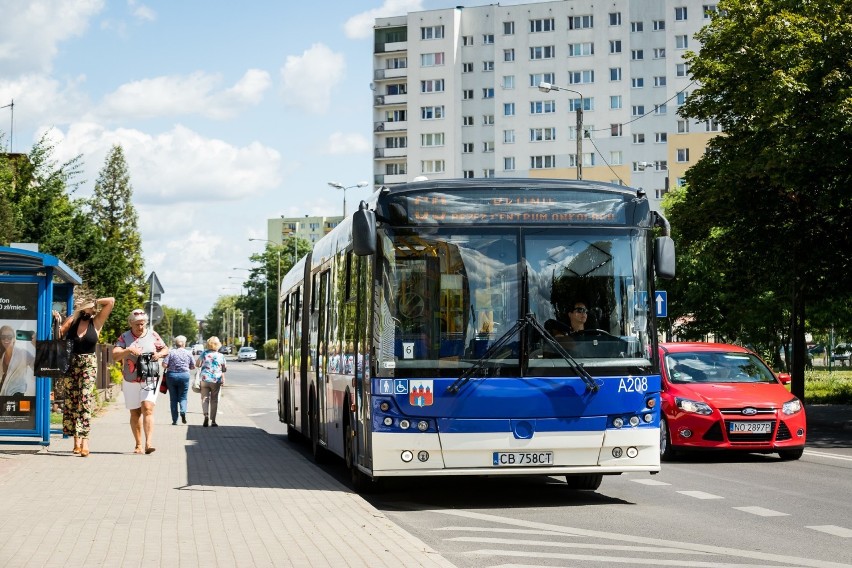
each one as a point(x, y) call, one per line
point(667, 453)
point(790, 455)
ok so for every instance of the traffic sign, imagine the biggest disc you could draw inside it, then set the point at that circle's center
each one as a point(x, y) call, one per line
point(661, 303)
point(155, 312)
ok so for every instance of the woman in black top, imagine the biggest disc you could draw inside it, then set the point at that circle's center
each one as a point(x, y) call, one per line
point(83, 329)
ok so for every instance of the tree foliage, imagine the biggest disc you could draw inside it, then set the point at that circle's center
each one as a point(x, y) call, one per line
point(178, 322)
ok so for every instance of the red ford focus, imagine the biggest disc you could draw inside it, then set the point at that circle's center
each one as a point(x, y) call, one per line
point(724, 397)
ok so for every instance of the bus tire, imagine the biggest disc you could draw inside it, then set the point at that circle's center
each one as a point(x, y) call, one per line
point(361, 483)
point(584, 481)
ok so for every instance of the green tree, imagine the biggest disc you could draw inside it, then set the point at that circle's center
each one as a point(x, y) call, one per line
point(178, 322)
point(773, 190)
point(216, 324)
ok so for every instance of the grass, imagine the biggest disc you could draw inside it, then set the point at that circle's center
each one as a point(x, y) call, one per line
point(828, 387)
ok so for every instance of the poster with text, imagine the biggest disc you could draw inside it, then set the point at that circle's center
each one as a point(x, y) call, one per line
point(18, 321)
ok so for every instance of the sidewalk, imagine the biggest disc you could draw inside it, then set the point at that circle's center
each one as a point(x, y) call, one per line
point(226, 496)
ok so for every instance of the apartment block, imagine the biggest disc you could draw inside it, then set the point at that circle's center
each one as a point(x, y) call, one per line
point(310, 228)
point(457, 92)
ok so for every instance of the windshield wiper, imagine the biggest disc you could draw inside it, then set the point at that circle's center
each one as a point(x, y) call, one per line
point(527, 320)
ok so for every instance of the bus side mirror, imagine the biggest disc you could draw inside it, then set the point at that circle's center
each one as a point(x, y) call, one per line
point(364, 231)
point(664, 257)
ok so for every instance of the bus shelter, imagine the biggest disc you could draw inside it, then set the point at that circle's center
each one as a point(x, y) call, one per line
point(32, 285)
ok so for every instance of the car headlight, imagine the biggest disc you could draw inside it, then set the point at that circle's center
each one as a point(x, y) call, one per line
point(792, 406)
point(693, 406)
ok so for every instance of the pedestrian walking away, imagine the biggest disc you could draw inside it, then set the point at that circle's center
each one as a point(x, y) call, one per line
point(177, 364)
point(212, 370)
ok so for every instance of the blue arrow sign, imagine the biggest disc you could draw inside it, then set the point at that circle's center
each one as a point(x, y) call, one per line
point(661, 303)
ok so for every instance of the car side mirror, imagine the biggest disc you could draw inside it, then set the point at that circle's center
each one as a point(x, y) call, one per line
point(785, 378)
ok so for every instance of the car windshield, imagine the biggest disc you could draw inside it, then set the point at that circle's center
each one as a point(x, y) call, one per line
point(717, 367)
point(448, 295)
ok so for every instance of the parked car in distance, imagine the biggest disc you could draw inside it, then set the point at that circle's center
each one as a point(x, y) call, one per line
point(842, 353)
point(198, 349)
point(247, 354)
point(716, 396)
point(226, 350)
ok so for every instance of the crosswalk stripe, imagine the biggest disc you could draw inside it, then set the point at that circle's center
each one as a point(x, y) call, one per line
point(700, 495)
point(761, 512)
point(833, 529)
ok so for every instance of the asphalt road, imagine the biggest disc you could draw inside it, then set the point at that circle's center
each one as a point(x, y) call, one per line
point(717, 510)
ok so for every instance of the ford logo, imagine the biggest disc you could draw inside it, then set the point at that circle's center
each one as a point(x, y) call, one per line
point(749, 411)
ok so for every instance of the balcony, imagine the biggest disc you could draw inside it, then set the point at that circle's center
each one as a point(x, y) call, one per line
point(395, 73)
point(388, 126)
point(391, 152)
point(390, 100)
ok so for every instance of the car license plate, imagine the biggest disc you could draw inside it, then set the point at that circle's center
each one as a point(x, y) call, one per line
point(739, 427)
point(509, 459)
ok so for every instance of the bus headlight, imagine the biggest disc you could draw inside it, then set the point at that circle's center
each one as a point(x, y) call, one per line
point(404, 424)
point(618, 422)
point(388, 421)
point(422, 425)
point(649, 418)
point(634, 421)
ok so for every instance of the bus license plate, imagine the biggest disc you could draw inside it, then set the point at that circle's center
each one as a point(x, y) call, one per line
point(738, 427)
point(504, 459)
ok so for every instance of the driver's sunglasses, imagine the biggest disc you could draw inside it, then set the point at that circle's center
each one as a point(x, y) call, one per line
point(581, 310)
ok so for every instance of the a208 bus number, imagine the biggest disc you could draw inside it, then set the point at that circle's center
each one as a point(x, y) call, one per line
point(633, 384)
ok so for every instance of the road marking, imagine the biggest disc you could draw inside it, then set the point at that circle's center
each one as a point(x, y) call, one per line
point(637, 539)
point(498, 530)
point(832, 529)
point(700, 495)
point(649, 482)
point(619, 547)
point(680, 562)
point(761, 512)
point(828, 455)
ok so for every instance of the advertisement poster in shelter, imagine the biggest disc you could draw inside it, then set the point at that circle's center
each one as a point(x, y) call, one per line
point(18, 320)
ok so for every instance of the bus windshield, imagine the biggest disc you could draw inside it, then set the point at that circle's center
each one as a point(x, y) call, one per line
point(448, 294)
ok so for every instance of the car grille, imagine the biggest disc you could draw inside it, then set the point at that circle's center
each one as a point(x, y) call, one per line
point(714, 433)
point(762, 413)
point(783, 432)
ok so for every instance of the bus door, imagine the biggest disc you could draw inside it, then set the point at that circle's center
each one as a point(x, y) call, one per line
point(294, 359)
point(321, 360)
point(363, 389)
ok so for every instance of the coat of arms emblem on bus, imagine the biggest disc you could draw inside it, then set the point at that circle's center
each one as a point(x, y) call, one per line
point(421, 393)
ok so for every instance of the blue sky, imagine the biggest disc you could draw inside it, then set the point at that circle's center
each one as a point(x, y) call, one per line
point(229, 114)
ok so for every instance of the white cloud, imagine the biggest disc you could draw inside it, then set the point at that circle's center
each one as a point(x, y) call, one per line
point(308, 80)
point(351, 143)
point(360, 26)
point(141, 11)
point(184, 95)
point(31, 30)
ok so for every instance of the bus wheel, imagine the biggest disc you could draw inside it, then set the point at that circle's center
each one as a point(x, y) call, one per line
point(584, 481)
point(360, 482)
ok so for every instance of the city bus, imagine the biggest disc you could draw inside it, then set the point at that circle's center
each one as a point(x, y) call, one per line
point(420, 337)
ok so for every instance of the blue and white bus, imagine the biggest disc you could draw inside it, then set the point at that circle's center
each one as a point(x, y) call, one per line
point(419, 337)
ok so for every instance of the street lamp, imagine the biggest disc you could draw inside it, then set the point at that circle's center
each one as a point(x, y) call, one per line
point(546, 88)
point(338, 185)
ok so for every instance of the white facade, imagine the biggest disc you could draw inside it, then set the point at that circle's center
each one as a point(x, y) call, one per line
point(456, 92)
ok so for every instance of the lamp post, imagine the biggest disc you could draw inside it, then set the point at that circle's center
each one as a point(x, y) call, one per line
point(546, 88)
point(338, 185)
point(245, 294)
point(277, 290)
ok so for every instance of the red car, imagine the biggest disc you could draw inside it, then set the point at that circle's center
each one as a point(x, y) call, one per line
point(724, 397)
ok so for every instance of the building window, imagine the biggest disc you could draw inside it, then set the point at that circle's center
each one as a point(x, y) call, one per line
point(581, 49)
point(615, 46)
point(467, 121)
point(432, 166)
point(660, 193)
point(683, 155)
point(431, 59)
point(399, 115)
point(508, 164)
point(508, 137)
point(488, 146)
point(509, 54)
point(432, 86)
point(488, 173)
point(615, 73)
point(488, 119)
point(467, 94)
point(661, 109)
point(615, 18)
point(508, 109)
point(396, 169)
point(487, 39)
point(488, 93)
point(508, 28)
point(637, 27)
point(396, 142)
point(681, 42)
point(468, 174)
point(660, 81)
point(508, 81)
point(431, 112)
point(432, 139)
point(538, 78)
point(586, 104)
point(579, 77)
point(432, 32)
point(543, 52)
point(680, 13)
point(637, 54)
point(661, 137)
point(661, 165)
point(487, 66)
point(396, 63)
point(542, 107)
point(542, 162)
point(467, 67)
point(638, 138)
point(637, 82)
point(659, 25)
point(681, 98)
point(396, 89)
point(467, 41)
point(615, 130)
point(467, 148)
point(710, 10)
point(682, 126)
point(659, 53)
point(542, 25)
point(615, 101)
point(581, 22)
point(712, 126)
point(542, 134)
point(681, 69)
point(616, 158)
